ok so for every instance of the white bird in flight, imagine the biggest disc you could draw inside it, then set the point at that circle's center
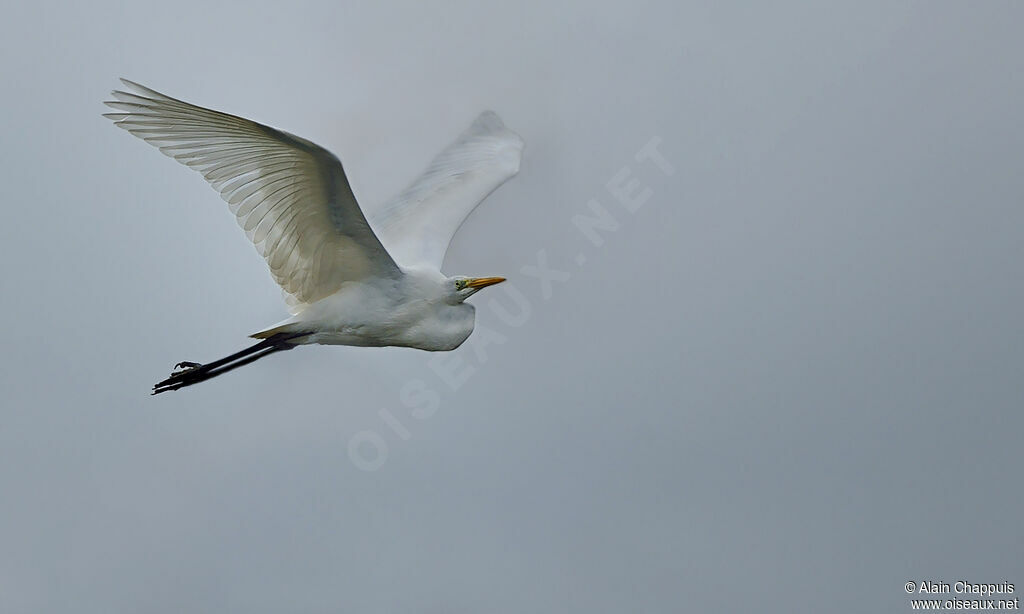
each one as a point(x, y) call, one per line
point(345, 284)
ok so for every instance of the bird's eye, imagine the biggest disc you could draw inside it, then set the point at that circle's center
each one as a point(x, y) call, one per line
point(460, 284)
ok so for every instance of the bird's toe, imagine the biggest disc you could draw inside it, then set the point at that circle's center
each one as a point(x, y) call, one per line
point(184, 367)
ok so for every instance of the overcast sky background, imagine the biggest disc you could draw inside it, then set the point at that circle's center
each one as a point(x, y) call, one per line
point(790, 382)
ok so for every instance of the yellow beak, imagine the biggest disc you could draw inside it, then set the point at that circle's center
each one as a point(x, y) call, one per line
point(483, 282)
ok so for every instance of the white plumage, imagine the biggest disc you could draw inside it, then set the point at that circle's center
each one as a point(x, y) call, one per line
point(417, 226)
point(344, 284)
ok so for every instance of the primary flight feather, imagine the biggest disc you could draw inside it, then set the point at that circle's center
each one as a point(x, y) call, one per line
point(344, 284)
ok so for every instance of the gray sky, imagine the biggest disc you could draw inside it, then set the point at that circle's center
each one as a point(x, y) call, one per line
point(791, 381)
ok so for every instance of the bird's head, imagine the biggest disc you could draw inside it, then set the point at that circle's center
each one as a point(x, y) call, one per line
point(460, 288)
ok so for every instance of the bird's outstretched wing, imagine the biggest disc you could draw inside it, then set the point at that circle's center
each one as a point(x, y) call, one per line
point(290, 196)
point(419, 223)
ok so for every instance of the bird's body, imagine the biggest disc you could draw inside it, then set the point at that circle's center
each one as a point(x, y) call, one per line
point(348, 278)
point(409, 311)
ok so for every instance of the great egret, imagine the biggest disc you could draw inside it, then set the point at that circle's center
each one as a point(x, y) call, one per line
point(344, 283)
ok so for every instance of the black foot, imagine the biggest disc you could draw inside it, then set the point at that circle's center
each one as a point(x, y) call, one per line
point(183, 367)
point(178, 377)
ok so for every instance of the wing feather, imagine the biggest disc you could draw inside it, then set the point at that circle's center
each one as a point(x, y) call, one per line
point(418, 224)
point(289, 195)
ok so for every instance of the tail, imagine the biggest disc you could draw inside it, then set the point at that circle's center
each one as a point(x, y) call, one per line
point(193, 372)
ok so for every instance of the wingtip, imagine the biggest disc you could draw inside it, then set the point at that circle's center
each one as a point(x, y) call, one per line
point(137, 89)
point(488, 121)
point(489, 124)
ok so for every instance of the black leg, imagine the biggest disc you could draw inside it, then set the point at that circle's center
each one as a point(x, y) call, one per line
point(193, 373)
